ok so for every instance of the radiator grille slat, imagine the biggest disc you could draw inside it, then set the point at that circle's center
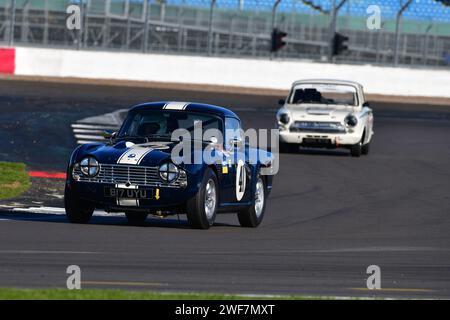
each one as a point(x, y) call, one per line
point(121, 174)
point(317, 126)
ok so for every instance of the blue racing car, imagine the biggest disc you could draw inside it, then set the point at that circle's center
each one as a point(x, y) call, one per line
point(171, 158)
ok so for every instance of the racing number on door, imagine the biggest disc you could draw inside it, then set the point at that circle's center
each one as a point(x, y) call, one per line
point(241, 178)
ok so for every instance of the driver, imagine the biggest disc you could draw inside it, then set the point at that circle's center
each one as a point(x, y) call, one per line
point(157, 124)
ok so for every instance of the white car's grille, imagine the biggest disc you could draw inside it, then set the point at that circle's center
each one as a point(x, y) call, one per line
point(122, 174)
point(317, 126)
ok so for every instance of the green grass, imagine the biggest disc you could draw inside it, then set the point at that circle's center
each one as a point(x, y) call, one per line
point(95, 294)
point(14, 179)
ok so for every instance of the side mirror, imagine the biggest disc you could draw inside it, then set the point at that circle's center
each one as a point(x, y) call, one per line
point(109, 134)
point(214, 140)
point(236, 143)
point(366, 104)
point(281, 102)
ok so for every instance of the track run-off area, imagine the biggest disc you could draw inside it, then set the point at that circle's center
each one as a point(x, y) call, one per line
point(328, 218)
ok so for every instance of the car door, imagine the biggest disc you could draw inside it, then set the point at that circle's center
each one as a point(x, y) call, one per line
point(236, 181)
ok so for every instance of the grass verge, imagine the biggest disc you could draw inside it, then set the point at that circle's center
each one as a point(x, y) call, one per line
point(14, 179)
point(96, 294)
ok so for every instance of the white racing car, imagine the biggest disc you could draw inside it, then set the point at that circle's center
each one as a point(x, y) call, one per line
point(327, 114)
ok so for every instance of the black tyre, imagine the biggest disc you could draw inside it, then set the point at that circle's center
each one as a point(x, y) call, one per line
point(365, 149)
point(77, 210)
point(136, 218)
point(288, 147)
point(356, 149)
point(202, 208)
point(252, 216)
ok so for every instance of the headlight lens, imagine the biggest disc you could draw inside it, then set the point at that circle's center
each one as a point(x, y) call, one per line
point(168, 172)
point(284, 118)
point(89, 167)
point(351, 120)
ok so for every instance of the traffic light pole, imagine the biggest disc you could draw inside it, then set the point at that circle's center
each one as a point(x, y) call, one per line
point(80, 32)
point(12, 23)
point(210, 27)
point(397, 29)
point(274, 14)
point(146, 27)
point(334, 14)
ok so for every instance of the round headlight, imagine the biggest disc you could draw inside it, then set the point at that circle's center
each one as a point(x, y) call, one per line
point(168, 172)
point(284, 118)
point(89, 167)
point(351, 120)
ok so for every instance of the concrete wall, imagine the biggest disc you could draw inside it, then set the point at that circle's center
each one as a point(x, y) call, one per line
point(225, 71)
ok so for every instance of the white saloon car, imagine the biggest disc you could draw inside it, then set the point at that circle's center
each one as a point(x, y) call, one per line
point(327, 114)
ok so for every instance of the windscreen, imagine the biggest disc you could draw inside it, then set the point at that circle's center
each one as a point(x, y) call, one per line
point(336, 94)
point(156, 122)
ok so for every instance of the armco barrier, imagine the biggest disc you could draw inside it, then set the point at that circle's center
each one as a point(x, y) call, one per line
point(263, 74)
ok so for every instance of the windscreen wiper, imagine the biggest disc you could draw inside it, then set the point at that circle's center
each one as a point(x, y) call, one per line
point(131, 137)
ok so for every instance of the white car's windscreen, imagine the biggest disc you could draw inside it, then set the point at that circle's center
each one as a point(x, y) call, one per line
point(316, 93)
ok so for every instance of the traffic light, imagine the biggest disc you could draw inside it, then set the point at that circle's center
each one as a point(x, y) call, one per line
point(339, 44)
point(277, 40)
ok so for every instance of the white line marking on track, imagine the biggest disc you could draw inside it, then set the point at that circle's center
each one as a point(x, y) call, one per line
point(91, 126)
point(46, 252)
point(60, 211)
point(125, 283)
point(93, 131)
point(88, 136)
point(88, 133)
point(338, 250)
point(85, 141)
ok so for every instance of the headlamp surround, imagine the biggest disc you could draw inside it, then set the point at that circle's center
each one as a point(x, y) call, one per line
point(89, 167)
point(168, 172)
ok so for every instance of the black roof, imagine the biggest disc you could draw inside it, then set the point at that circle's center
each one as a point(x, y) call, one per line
point(186, 106)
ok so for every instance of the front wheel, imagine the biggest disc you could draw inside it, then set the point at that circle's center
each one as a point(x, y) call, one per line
point(202, 208)
point(77, 210)
point(288, 147)
point(356, 149)
point(253, 215)
point(365, 149)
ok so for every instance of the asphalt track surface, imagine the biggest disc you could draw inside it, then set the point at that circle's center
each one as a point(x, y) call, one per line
point(328, 218)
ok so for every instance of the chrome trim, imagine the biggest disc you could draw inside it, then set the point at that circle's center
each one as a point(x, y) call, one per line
point(365, 113)
point(135, 175)
point(210, 199)
point(317, 126)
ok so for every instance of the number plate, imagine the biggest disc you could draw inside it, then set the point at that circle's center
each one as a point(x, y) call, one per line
point(122, 193)
point(316, 141)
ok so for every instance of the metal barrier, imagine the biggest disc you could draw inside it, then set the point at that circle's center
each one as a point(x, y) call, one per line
point(242, 28)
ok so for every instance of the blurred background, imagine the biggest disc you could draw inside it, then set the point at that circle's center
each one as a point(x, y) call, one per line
point(413, 32)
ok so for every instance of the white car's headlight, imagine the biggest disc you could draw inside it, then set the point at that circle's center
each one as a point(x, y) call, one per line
point(89, 167)
point(351, 121)
point(168, 172)
point(283, 116)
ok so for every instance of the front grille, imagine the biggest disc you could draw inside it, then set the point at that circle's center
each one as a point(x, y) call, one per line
point(122, 174)
point(317, 126)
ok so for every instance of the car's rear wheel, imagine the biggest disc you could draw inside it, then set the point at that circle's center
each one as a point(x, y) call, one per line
point(356, 149)
point(365, 149)
point(202, 208)
point(252, 216)
point(77, 210)
point(136, 218)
